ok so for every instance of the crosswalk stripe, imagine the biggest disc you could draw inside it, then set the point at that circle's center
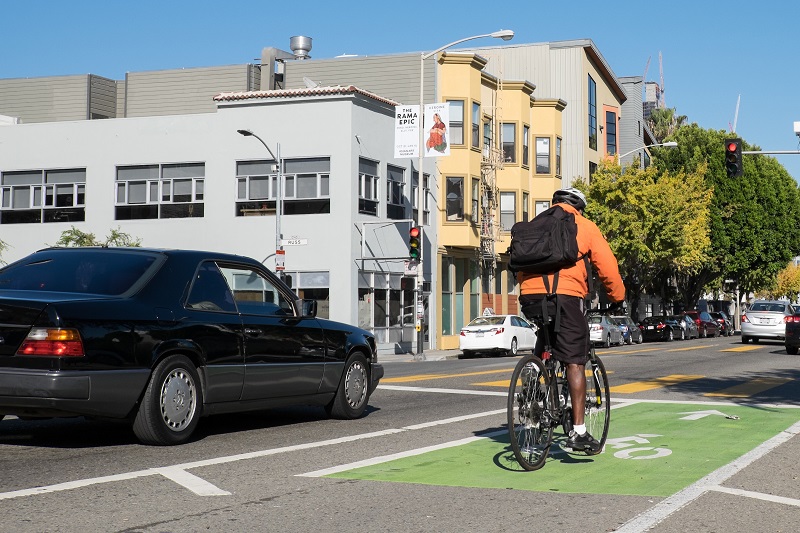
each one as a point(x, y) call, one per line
point(749, 388)
point(640, 386)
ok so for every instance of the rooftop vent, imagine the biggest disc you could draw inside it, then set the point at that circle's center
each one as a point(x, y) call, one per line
point(300, 46)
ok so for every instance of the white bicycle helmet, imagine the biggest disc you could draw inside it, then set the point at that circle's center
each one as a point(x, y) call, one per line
point(571, 196)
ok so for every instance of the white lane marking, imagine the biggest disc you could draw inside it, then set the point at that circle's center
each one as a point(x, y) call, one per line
point(69, 485)
point(758, 496)
point(443, 391)
point(198, 485)
point(712, 481)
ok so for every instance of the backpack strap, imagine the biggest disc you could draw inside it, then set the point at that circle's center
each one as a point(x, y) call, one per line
point(552, 295)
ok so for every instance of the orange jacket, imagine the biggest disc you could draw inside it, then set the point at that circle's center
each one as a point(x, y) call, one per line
point(572, 280)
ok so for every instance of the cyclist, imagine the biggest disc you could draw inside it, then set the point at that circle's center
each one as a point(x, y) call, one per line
point(570, 344)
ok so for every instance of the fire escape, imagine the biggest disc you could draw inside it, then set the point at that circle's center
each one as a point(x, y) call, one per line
point(491, 164)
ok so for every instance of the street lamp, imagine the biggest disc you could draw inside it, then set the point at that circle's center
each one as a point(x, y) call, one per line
point(279, 253)
point(506, 35)
point(668, 144)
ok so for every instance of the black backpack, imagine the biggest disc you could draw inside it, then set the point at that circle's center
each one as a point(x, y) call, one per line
point(545, 244)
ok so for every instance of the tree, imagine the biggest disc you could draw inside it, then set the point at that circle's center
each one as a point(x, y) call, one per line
point(751, 218)
point(787, 285)
point(656, 224)
point(76, 237)
point(664, 122)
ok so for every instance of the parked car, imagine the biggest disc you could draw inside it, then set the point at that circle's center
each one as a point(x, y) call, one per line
point(603, 330)
point(497, 333)
point(630, 330)
point(688, 325)
point(660, 328)
point(163, 337)
point(706, 325)
point(725, 323)
point(792, 340)
point(796, 308)
point(765, 319)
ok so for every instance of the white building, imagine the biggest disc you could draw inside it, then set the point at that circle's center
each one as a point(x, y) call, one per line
point(191, 181)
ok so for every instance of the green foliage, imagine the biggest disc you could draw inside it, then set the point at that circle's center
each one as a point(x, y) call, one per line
point(664, 122)
point(787, 285)
point(656, 224)
point(76, 237)
point(751, 219)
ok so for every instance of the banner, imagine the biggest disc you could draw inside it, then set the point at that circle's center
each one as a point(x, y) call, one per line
point(437, 130)
point(406, 131)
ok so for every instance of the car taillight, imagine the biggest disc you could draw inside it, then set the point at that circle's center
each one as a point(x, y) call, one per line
point(463, 333)
point(744, 318)
point(661, 326)
point(52, 341)
point(498, 331)
point(791, 318)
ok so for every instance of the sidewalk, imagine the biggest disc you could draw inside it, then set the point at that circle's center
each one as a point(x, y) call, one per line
point(427, 355)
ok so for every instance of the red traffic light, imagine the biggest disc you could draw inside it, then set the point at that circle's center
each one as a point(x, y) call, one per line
point(413, 232)
point(414, 244)
point(732, 146)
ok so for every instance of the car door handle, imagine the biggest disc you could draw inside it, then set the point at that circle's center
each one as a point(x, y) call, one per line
point(252, 331)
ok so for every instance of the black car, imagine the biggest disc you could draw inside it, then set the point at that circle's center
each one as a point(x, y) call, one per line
point(163, 337)
point(725, 323)
point(707, 326)
point(792, 338)
point(660, 328)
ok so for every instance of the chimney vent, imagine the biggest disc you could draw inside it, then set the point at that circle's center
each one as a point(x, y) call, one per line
point(300, 46)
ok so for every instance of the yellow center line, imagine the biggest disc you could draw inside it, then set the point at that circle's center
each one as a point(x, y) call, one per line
point(745, 390)
point(686, 349)
point(424, 377)
point(640, 386)
point(741, 349)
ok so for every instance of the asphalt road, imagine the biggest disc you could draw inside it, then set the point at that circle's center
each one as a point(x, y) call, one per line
point(293, 469)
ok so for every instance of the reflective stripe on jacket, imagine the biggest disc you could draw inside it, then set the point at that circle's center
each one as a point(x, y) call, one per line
point(572, 280)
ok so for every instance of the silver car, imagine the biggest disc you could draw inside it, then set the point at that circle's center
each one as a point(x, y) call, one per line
point(765, 319)
point(604, 331)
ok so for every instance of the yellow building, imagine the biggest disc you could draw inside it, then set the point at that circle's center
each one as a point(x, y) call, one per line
point(504, 165)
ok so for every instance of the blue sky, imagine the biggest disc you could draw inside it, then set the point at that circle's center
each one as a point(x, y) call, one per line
point(713, 52)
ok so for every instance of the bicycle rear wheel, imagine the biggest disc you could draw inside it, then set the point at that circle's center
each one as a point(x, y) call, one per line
point(529, 404)
point(598, 401)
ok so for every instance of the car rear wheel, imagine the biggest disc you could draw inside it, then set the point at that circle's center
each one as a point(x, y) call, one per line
point(351, 396)
point(791, 350)
point(513, 350)
point(170, 408)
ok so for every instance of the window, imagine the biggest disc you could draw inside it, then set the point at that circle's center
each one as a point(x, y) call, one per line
point(558, 156)
point(175, 190)
point(543, 155)
point(314, 285)
point(611, 133)
point(395, 208)
point(592, 114)
point(476, 197)
point(426, 191)
point(256, 294)
point(508, 210)
point(476, 125)
point(487, 138)
point(37, 196)
point(592, 169)
point(525, 200)
point(456, 121)
point(526, 130)
point(447, 297)
point(508, 136)
point(455, 199)
point(306, 187)
point(541, 207)
point(367, 187)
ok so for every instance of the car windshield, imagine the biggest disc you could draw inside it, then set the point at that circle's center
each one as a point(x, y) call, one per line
point(487, 321)
point(769, 307)
point(653, 320)
point(85, 271)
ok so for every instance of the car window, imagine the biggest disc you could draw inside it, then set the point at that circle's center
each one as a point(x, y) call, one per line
point(84, 271)
point(210, 291)
point(255, 293)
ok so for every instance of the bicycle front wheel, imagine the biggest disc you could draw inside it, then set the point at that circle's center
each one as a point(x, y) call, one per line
point(598, 401)
point(529, 405)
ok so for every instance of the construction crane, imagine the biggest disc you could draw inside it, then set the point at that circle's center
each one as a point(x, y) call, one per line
point(662, 103)
point(646, 66)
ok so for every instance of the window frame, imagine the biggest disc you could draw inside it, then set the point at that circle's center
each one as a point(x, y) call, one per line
point(542, 155)
point(457, 214)
point(475, 125)
point(526, 134)
point(592, 119)
point(513, 143)
point(508, 216)
point(456, 127)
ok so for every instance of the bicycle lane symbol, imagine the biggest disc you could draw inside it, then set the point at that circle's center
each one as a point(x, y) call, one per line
point(626, 448)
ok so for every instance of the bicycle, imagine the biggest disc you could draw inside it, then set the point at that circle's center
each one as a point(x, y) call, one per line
point(538, 402)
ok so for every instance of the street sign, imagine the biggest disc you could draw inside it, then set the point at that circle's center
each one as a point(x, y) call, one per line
point(294, 242)
point(280, 259)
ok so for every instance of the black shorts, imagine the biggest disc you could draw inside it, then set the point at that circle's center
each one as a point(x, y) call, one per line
point(571, 345)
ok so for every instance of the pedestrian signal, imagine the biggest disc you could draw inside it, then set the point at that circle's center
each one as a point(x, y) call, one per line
point(733, 158)
point(414, 242)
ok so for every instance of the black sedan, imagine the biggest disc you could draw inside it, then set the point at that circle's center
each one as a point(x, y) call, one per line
point(163, 337)
point(660, 328)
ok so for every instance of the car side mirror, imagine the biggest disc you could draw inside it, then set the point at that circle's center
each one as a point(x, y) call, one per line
point(308, 308)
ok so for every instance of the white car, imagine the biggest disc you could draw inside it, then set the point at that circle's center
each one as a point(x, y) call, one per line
point(497, 333)
point(604, 331)
point(765, 319)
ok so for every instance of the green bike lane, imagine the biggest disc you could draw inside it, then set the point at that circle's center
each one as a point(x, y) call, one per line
point(654, 449)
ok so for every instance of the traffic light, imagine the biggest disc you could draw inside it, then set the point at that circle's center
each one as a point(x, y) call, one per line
point(414, 242)
point(733, 158)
